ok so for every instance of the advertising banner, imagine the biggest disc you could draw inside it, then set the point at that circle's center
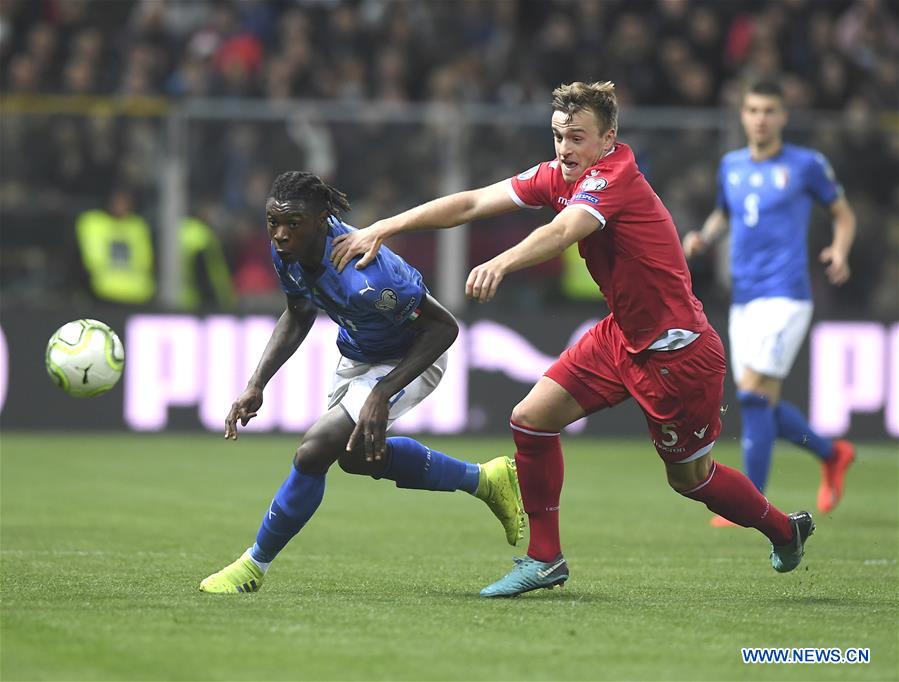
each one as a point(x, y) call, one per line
point(183, 371)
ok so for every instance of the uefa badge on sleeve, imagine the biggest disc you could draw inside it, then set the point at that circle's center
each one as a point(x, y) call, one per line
point(387, 300)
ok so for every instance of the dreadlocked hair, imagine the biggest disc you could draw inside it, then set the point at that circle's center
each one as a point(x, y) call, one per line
point(307, 187)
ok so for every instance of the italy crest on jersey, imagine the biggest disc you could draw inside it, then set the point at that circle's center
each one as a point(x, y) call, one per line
point(780, 176)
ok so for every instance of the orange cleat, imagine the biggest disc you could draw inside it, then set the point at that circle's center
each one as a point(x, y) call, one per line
point(721, 522)
point(833, 471)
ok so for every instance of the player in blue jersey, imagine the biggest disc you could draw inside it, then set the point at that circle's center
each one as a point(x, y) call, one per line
point(393, 340)
point(765, 194)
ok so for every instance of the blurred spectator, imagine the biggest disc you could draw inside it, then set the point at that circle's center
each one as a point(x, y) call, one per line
point(840, 56)
point(115, 248)
point(207, 278)
point(391, 50)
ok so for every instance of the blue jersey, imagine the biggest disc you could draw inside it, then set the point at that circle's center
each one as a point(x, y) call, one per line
point(371, 306)
point(769, 203)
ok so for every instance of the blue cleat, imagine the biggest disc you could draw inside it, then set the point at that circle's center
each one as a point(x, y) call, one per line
point(785, 558)
point(529, 574)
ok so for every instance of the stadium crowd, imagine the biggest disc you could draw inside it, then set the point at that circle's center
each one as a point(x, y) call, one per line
point(840, 57)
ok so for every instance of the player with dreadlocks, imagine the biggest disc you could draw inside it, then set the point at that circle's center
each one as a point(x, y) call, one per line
point(393, 340)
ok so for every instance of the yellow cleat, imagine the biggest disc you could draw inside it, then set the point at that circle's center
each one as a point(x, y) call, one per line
point(241, 576)
point(498, 487)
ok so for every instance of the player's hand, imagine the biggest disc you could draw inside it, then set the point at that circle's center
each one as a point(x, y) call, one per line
point(244, 409)
point(371, 428)
point(347, 246)
point(484, 280)
point(694, 244)
point(837, 265)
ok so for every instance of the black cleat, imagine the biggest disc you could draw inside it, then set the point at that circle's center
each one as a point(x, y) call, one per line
point(785, 558)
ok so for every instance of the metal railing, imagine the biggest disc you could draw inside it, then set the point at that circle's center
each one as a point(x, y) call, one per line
point(387, 157)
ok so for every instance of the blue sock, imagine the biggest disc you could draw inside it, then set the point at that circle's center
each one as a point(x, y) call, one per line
point(413, 465)
point(759, 432)
point(293, 505)
point(791, 424)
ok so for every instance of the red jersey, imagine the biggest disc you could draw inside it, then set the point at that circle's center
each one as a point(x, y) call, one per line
point(635, 256)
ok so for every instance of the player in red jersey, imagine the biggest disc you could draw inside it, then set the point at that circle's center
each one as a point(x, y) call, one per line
point(656, 346)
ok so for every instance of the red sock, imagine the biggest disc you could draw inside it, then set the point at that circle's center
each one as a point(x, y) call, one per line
point(538, 458)
point(729, 493)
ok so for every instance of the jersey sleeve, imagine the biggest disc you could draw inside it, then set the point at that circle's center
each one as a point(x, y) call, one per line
point(394, 290)
point(533, 187)
point(721, 197)
point(598, 195)
point(821, 180)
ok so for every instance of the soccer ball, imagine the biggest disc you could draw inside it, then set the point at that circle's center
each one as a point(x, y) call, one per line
point(85, 358)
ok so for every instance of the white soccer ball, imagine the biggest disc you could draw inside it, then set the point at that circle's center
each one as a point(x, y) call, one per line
point(85, 358)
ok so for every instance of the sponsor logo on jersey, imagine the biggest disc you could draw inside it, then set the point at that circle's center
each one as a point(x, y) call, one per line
point(594, 185)
point(386, 300)
point(733, 178)
point(661, 446)
point(529, 173)
point(583, 196)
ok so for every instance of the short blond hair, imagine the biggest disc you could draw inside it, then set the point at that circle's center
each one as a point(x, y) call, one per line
point(596, 97)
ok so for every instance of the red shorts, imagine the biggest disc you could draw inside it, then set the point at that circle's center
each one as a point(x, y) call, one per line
point(679, 391)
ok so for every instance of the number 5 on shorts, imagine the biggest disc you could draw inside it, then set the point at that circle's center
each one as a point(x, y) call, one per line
point(670, 435)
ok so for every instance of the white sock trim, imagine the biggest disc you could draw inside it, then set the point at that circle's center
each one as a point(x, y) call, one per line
point(263, 565)
point(704, 483)
point(532, 433)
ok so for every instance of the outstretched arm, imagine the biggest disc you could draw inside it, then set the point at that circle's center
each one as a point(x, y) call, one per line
point(292, 327)
point(548, 241)
point(449, 211)
point(836, 256)
point(435, 330)
point(713, 228)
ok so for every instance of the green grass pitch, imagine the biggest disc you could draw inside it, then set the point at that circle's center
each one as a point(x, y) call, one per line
point(105, 538)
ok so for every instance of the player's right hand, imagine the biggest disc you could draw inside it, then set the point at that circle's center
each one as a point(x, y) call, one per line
point(244, 408)
point(364, 242)
point(693, 244)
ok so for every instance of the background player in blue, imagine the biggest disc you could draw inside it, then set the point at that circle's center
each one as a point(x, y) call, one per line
point(765, 195)
point(393, 340)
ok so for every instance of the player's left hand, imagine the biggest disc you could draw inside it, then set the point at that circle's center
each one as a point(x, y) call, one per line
point(347, 246)
point(371, 428)
point(484, 280)
point(837, 265)
point(243, 410)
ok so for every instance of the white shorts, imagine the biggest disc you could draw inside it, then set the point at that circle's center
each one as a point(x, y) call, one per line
point(766, 334)
point(354, 381)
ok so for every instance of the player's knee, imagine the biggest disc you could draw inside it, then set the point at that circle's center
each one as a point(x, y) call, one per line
point(760, 386)
point(524, 414)
point(687, 475)
point(312, 457)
